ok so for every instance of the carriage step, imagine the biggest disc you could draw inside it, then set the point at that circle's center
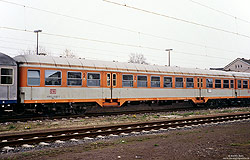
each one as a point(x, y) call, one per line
point(111, 104)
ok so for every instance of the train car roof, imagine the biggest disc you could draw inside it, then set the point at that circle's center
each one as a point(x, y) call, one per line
point(42, 60)
point(7, 60)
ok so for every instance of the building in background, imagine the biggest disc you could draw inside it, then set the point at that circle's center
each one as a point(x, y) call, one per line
point(238, 65)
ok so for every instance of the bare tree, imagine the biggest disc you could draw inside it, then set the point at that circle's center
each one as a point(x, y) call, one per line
point(41, 50)
point(137, 58)
point(68, 53)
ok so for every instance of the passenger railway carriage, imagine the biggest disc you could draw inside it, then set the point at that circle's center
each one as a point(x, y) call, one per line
point(8, 80)
point(48, 83)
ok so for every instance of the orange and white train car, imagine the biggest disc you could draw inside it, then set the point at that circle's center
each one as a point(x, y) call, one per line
point(50, 80)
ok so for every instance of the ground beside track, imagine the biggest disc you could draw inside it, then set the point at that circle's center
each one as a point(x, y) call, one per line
point(227, 141)
point(12, 127)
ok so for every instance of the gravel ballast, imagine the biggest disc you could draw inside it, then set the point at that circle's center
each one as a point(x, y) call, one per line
point(224, 141)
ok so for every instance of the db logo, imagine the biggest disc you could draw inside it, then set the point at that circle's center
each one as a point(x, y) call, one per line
point(52, 91)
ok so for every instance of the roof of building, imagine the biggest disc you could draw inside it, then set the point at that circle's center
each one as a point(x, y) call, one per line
point(246, 60)
point(109, 65)
point(7, 60)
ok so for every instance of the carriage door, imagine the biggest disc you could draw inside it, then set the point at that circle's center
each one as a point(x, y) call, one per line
point(111, 83)
point(238, 87)
point(199, 86)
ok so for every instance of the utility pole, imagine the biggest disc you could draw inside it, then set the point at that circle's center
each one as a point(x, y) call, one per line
point(168, 55)
point(37, 31)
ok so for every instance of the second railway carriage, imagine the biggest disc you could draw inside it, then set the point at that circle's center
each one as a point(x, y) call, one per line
point(8, 82)
point(55, 81)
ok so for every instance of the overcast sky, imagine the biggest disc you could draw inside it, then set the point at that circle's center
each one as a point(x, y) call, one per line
point(95, 29)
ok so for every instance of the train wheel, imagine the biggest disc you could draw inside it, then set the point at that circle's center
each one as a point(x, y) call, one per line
point(18, 110)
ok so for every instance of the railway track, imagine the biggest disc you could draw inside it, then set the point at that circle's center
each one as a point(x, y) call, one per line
point(14, 140)
point(33, 118)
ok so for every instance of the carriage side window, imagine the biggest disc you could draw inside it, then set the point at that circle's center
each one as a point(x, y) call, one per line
point(94, 79)
point(6, 76)
point(168, 82)
point(225, 83)
point(189, 82)
point(142, 81)
point(74, 79)
point(245, 84)
point(209, 83)
point(33, 77)
point(178, 82)
point(217, 83)
point(239, 83)
point(155, 81)
point(127, 80)
point(232, 83)
point(53, 77)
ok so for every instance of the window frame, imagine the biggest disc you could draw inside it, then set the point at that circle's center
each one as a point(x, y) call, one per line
point(210, 83)
point(189, 82)
point(239, 80)
point(232, 83)
point(199, 82)
point(142, 81)
point(215, 84)
point(179, 82)
point(244, 85)
point(171, 83)
point(73, 78)
point(128, 80)
point(155, 81)
point(93, 79)
point(108, 79)
point(226, 83)
point(114, 80)
point(52, 78)
point(12, 76)
point(37, 78)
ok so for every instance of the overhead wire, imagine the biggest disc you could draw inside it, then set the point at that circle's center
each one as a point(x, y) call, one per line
point(98, 41)
point(85, 39)
point(178, 19)
point(219, 11)
point(121, 28)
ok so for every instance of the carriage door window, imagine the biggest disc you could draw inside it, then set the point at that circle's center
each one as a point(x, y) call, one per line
point(53, 77)
point(199, 82)
point(114, 79)
point(33, 77)
point(108, 79)
point(6, 76)
point(239, 83)
point(245, 84)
